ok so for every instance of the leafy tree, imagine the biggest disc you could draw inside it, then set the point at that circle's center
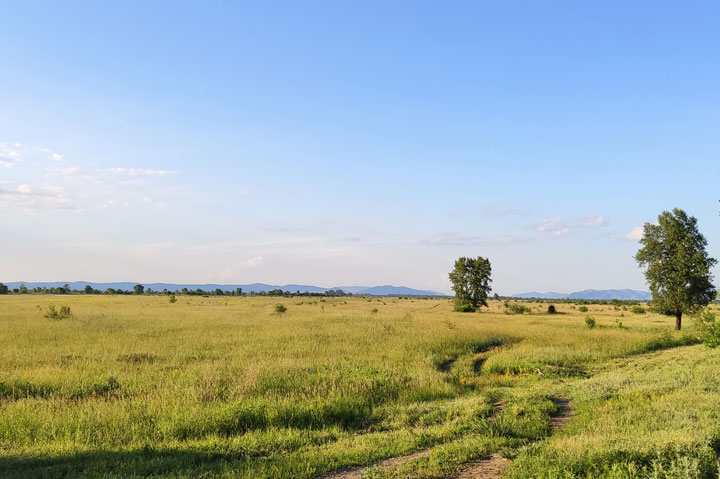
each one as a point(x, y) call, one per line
point(677, 267)
point(3, 289)
point(139, 289)
point(88, 289)
point(23, 289)
point(471, 282)
point(218, 292)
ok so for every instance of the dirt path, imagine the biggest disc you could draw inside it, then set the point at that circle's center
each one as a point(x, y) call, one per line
point(563, 415)
point(358, 472)
point(488, 468)
point(491, 467)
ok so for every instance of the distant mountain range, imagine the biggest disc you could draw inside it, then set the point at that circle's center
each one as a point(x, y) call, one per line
point(630, 294)
point(386, 290)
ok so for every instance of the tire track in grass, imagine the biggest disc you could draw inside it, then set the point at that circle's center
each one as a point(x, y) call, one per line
point(359, 471)
point(491, 467)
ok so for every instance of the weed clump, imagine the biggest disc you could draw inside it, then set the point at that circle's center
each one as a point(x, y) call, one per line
point(172, 298)
point(137, 358)
point(710, 329)
point(280, 308)
point(590, 322)
point(515, 308)
point(464, 308)
point(58, 314)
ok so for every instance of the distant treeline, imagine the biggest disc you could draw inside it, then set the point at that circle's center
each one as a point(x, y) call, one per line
point(140, 289)
point(612, 302)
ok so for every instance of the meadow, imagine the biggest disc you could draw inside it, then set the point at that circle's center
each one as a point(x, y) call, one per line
point(233, 387)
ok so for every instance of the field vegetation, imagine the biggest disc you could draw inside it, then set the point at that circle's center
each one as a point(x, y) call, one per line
point(275, 387)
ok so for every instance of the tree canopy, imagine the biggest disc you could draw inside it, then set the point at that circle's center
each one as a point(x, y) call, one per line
point(471, 282)
point(677, 267)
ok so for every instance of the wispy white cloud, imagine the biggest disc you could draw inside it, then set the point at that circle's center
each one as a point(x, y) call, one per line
point(255, 261)
point(141, 172)
point(23, 198)
point(46, 185)
point(69, 171)
point(636, 234)
point(457, 239)
point(9, 154)
point(592, 221)
point(558, 227)
point(495, 210)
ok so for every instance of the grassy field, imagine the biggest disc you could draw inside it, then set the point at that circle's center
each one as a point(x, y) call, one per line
point(223, 387)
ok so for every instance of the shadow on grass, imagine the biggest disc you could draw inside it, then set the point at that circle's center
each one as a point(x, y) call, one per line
point(137, 463)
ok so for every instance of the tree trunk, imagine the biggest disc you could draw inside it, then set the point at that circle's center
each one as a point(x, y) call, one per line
point(678, 320)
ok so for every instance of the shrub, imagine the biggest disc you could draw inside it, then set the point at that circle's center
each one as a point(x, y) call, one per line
point(515, 308)
point(551, 309)
point(637, 309)
point(172, 298)
point(62, 313)
point(463, 307)
point(583, 309)
point(374, 310)
point(590, 322)
point(711, 335)
point(280, 308)
point(710, 329)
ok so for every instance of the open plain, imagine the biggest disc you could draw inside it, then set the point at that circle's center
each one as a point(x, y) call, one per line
point(228, 387)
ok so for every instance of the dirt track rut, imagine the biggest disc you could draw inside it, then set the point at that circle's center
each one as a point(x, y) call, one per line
point(491, 467)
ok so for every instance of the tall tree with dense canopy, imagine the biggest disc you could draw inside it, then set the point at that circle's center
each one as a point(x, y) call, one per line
point(471, 282)
point(677, 267)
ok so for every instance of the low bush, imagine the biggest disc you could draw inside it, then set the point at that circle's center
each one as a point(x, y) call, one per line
point(464, 308)
point(515, 308)
point(551, 309)
point(172, 298)
point(637, 309)
point(57, 314)
point(280, 308)
point(583, 309)
point(590, 322)
point(710, 329)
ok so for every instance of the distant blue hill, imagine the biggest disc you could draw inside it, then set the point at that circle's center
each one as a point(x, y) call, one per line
point(386, 290)
point(604, 294)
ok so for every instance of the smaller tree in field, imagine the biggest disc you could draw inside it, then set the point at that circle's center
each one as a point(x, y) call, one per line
point(677, 267)
point(470, 280)
point(139, 289)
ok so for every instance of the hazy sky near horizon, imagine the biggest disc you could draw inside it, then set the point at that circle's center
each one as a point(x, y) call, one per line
point(343, 143)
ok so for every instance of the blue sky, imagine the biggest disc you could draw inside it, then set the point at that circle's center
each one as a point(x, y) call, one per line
point(338, 143)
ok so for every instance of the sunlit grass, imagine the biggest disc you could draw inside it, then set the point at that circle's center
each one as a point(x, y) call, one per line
point(229, 387)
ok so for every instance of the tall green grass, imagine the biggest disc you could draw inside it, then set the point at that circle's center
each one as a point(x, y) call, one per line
point(135, 386)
